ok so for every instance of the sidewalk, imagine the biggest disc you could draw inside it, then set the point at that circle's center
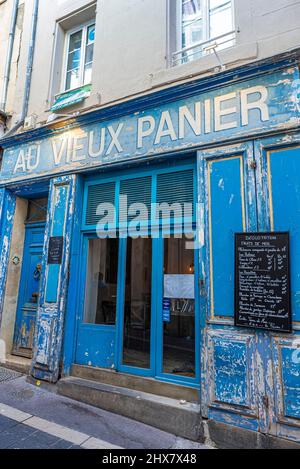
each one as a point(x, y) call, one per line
point(14, 435)
point(33, 417)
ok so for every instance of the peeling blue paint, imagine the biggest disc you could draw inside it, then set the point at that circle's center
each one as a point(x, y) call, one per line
point(231, 372)
point(253, 375)
point(7, 210)
point(51, 315)
point(291, 380)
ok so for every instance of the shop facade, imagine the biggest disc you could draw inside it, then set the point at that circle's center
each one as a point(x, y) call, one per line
point(129, 215)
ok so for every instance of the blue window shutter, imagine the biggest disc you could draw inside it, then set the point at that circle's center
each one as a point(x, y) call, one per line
point(177, 187)
point(98, 194)
point(137, 191)
point(171, 188)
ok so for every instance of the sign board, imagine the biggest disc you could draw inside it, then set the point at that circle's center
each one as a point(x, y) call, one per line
point(262, 281)
point(166, 310)
point(55, 250)
point(267, 102)
point(179, 286)
point(71, 97)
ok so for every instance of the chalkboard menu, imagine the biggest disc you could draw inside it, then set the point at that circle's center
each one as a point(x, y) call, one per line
point(262, 281)
point(55, 250)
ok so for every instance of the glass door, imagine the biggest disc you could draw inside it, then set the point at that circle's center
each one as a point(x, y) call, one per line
point(177, 322)
point(136, 353)
point(158, 311)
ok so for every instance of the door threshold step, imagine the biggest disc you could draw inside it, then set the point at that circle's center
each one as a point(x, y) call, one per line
point(180, 418)
point(137, 383)
point(16, 363)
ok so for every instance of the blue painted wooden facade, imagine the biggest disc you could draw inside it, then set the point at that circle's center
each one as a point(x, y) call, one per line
point(54, 285)
point(7, 210)
point(241, 130)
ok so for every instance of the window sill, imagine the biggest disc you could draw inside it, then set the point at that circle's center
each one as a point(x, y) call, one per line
point(204, 65)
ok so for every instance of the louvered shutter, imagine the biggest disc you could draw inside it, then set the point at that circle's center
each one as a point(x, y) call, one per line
point(177, 188)
point(98, 194)
point(137, 191)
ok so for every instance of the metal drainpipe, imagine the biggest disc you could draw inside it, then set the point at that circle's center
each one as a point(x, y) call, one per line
point(28, 70)
point(9, 55)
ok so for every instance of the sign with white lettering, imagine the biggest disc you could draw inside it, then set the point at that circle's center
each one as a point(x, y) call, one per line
point(55, 250)
point(262, 281)
point(268, 102)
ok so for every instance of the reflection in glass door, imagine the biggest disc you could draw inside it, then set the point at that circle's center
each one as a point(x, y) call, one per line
point(97, 328)
point(101, 282)
point(178, 309)
point(168, 351)
point(137, 303)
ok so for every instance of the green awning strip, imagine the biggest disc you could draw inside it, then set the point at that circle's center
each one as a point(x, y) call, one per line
point(71, 97)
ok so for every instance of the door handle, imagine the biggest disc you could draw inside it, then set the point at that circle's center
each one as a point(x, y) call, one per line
point(37, 272)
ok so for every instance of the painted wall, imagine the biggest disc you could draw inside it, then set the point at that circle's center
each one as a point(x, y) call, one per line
point(131, 50)
point(5, 21)
point(13, 275)
point(5, 15)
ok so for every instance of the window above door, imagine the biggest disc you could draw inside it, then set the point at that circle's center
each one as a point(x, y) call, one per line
point(72, 58)
point(37, 210)
point(202, 27)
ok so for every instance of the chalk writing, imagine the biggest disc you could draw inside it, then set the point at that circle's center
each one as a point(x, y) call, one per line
point(262, 283)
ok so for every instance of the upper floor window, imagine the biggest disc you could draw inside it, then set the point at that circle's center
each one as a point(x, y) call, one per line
point(202, 26)
point(79, 57)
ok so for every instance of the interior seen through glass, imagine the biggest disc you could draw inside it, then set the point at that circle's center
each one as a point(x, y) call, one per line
point(101, 281)
point(137, 307)
point(204, 20)
point(178, 309)
point(178, 302)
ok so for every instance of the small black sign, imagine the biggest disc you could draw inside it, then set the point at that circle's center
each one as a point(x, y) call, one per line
point(55, 250)
point(262, 281)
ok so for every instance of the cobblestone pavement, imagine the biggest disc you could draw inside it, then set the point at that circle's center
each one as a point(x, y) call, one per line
point(36, 418)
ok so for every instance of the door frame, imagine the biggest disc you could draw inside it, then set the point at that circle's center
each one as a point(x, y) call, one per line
point(160, 375)
point(156, 333)
point(84, 232)
point(21, 289)
point(121, 310)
